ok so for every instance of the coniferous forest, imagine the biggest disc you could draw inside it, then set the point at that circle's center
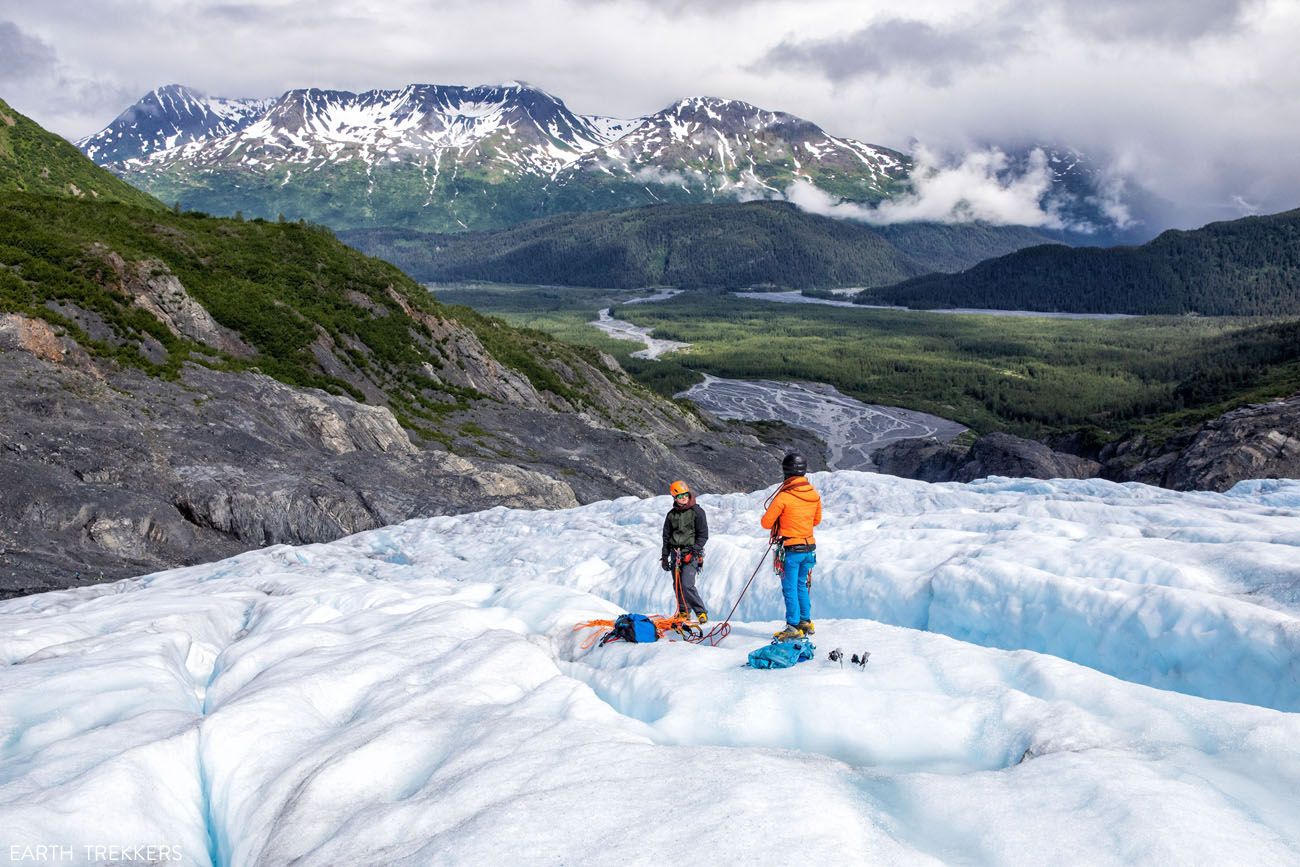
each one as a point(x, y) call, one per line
point(1246, 267)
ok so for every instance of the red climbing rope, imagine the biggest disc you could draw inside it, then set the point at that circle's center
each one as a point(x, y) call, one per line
point(715, 635)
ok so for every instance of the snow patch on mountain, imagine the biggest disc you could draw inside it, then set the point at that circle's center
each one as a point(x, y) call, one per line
point(717, 145)
point(723, 146)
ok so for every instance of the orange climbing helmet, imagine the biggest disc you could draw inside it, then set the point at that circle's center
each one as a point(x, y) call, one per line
point(678, 487)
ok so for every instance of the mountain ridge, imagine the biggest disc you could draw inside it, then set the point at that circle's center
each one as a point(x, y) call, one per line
point(452, 158)
point(171, 115)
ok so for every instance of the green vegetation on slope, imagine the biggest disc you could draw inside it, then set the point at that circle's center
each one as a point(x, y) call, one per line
point(951, 247)
point(350, 195)
point(37, 161)
point(278, 285)
point(1247, 267)
point(287, 288)
point(691, 247)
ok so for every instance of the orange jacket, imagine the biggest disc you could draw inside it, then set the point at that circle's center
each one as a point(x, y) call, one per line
point(795, 510)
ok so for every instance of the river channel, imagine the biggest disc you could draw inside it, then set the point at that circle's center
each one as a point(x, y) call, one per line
point(851, 429)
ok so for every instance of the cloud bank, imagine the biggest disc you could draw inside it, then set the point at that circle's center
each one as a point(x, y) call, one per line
point(980, 187)
point(899, 46)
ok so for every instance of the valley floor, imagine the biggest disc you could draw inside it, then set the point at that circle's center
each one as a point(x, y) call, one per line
point(1061, 673)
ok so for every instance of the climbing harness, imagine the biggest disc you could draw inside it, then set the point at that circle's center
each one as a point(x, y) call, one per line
point(676, 558)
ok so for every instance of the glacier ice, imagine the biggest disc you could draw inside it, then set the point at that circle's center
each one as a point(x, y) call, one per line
point(1067, 672)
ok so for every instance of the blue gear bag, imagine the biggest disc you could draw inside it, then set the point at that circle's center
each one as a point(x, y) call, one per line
point(635, 628)
point(783, 654)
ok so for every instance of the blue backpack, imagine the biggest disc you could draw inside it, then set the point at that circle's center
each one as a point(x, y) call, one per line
point(633, 628)
point(782, 654)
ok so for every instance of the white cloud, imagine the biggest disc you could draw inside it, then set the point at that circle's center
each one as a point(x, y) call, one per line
point(24, 55)
point(1110, 200)
point(38, 82)
point(980, 187)
point(1158, 20)
point(1247, 209)
point(654, 175)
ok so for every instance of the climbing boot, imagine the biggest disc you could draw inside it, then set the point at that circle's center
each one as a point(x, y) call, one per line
point(790, 633)
point(806, 626)
point(704, 617)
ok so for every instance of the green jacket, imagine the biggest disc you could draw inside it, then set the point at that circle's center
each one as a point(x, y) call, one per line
point(685, 528)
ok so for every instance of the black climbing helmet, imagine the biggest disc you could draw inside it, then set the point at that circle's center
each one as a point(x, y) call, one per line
point(794, 465)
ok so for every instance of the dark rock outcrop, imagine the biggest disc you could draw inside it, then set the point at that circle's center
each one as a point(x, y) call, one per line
point(994, 454)
point(927, 459)
point(107, 475)
point(1000, 454)
point(1260, 441)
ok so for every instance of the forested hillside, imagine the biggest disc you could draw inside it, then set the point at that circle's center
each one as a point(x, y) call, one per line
point(692, 247)
point(35, 161)
point(1247, 267)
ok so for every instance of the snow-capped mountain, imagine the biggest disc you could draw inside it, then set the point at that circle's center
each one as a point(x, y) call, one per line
point(514, 129)
point(724, 146)
point(436, 157)
point(166, 118)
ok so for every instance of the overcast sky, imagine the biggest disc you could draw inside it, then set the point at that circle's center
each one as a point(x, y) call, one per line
point(1197, 100)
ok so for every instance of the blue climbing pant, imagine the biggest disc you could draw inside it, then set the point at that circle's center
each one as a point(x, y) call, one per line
point(794, 585)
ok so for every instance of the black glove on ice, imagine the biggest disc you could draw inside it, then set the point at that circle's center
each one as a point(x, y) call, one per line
point(664, 564)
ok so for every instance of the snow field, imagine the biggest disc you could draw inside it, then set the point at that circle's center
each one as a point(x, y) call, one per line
point(416, 694)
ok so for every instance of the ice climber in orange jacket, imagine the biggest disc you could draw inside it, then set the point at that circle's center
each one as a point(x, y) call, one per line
point(796, 508)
